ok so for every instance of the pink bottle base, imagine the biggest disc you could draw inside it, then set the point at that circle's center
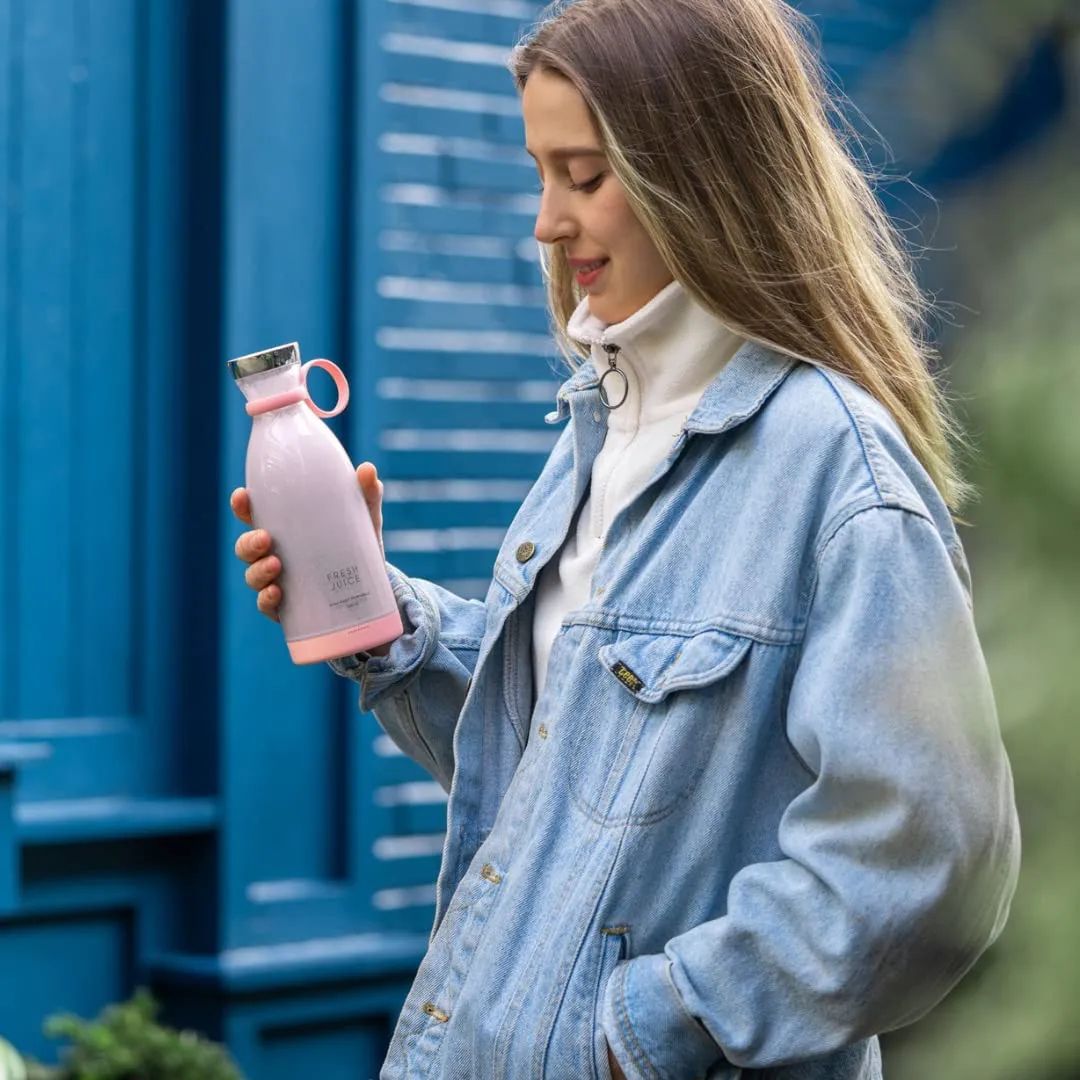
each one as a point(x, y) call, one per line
point(314, 650)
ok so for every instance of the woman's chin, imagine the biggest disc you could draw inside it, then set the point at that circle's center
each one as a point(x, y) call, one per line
point(601, 307)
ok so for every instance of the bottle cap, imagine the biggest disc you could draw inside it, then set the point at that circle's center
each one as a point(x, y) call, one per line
point(267, 360)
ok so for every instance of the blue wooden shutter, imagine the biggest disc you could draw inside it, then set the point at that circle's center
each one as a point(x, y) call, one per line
point(378, 209)
point(459, 361)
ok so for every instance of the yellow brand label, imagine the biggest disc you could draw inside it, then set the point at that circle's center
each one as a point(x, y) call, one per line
point(626, 676)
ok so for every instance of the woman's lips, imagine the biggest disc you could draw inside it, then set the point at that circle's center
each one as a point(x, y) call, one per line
point(587, 276)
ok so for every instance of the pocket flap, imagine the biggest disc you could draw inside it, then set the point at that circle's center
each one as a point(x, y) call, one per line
point(651, 666)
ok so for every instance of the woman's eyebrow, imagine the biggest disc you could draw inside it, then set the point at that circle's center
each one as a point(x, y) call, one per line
point(570, 152)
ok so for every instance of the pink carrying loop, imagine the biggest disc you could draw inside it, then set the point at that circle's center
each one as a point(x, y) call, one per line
point(340, 382)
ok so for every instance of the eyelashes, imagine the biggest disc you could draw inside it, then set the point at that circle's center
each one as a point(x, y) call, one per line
point(588, 187)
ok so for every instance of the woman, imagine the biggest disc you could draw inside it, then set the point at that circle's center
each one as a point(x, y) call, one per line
point(726, 788)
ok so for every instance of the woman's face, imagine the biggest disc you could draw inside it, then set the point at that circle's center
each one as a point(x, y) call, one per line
point(583, 207)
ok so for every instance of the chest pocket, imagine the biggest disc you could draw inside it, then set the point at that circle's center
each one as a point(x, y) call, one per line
point(662, 703)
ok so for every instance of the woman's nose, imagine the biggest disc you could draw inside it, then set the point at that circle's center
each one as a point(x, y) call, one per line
point(552, 224)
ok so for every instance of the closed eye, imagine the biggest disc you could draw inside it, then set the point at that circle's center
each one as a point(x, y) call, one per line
point(588, 187)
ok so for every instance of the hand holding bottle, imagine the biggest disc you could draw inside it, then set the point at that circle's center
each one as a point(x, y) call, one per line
point(300, 492)
point(255, 547)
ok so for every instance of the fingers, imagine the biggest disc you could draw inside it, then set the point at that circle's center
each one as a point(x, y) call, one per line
point(268, 601)
point(262, 573)
point(255, 543)
point(262, 576)
point(241, 505)
point(252, 545)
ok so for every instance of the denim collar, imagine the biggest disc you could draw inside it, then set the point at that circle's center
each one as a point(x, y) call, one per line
point(739, 390)
point(668, 351)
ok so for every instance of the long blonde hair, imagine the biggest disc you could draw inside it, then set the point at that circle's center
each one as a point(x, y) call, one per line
point(715, 117)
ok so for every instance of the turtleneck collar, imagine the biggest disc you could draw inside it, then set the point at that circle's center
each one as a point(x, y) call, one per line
point(669, 350)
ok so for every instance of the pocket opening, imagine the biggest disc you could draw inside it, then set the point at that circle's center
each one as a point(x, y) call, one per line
point(614, 948)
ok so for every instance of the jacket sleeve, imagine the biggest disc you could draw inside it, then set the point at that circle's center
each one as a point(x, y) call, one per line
point(418, 689)
point(900, 857)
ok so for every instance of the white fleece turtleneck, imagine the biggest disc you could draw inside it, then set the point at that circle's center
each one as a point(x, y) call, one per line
point(670, 350)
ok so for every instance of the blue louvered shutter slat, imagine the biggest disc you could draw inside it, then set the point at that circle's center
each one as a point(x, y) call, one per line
point(459, 366)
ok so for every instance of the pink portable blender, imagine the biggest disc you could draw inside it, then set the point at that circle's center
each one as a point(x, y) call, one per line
point(336, 595)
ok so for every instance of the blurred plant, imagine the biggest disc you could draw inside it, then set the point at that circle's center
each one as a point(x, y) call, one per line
point(12, 1066)
point(127, 1043)
point(1017, 368)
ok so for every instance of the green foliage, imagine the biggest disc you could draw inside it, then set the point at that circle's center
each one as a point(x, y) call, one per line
point(127, 1043)
point(12, 1066)
point(1018, 368)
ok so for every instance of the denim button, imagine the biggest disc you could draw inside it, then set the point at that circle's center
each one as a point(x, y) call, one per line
point(526, 551)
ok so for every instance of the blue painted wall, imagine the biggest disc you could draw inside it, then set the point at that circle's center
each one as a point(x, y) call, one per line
point(182, 182)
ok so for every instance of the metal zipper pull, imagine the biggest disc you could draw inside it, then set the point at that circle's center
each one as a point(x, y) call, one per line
point(613, 353)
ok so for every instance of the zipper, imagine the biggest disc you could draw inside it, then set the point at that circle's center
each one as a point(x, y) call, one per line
point(612, 351)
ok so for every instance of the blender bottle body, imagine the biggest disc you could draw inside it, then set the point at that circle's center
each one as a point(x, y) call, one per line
point(336, 595)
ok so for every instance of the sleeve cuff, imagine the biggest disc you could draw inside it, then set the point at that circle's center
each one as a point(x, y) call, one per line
point(408, 653)
point(651, 1034)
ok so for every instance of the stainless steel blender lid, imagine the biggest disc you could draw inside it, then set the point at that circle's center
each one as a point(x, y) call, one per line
point(267, 360)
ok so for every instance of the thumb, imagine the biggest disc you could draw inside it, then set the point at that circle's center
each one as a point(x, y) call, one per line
point(371, 488)
point(367, 475)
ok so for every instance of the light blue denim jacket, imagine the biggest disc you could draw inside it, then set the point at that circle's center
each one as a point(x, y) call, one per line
point(761, 811)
